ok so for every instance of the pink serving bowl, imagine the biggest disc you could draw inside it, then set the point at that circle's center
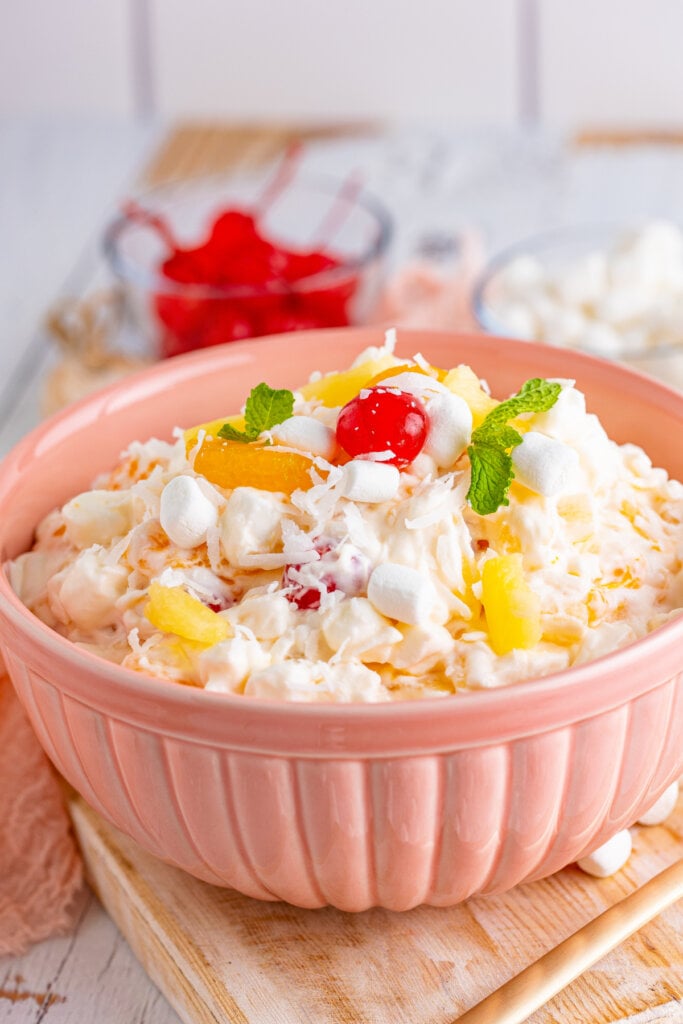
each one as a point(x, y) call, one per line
point(349, 805)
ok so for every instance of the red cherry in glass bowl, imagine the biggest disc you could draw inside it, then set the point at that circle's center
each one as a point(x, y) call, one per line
point(219, 260)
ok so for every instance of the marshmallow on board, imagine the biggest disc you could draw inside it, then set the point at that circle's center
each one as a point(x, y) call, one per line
point(609, 857)
point(544, 465)
point(185, 513)
point(369, 481)
point(401, 593)
point(662, 808)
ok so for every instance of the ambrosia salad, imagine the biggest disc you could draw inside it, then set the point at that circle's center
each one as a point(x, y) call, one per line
point(387, 532)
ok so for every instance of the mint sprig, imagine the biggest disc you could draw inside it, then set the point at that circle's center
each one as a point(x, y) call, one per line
point(265, 408)
point(494, 439)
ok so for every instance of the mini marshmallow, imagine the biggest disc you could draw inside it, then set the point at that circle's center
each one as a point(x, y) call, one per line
point(356, 628)
point(584, 282)
point(420, 385)
point(401, 593)
point(307, 435)
point(625, 288)
point(519, 320)
point(251, 523)
point(603, 340)
point(524, 273)
point(368, 481)
point(608, 858)
point(561, 325)
point(97, 517)
point(185, 513)
point(225, 667)
point(267, 616)
point(621, 304)
point(544, 465)
point(662, 808)
point(450, 428)
point(86, 591)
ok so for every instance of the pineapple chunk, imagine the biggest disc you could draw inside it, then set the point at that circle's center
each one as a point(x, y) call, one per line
point(513, 611)
point(470, 576)
point(463, 381)
point(173, 610)
point(431, 371)
point(339, 388)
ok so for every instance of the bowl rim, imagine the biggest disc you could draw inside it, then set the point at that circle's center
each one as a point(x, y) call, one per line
point(565, 236)
point(151, 280)
point(519, 709)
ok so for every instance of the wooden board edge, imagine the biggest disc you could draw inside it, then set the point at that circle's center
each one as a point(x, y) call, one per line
point(158, 940)
point(190, 148)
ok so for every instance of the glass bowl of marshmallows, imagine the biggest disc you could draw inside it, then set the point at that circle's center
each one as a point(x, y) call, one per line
point(611, 290)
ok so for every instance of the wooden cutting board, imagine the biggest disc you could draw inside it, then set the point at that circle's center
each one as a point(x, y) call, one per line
point(222, 957)
point(194, 149)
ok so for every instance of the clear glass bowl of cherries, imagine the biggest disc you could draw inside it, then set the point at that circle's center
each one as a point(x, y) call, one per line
point(215, 260)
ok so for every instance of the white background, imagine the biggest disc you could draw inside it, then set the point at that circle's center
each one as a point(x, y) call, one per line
point(563, 63)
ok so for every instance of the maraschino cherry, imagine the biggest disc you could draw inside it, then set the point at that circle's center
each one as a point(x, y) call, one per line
point(383, 419)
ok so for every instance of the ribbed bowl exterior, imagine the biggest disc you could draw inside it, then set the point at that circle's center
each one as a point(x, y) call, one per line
point(353, 806)
point(361, 832)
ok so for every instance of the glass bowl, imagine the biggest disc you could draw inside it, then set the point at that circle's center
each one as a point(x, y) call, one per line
point(306, 215)
point(589, 325)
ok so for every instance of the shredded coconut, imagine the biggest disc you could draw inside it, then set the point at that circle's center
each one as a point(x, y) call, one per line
point(192, 454)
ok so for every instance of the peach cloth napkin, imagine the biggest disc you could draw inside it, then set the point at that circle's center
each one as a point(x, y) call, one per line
point(40, 868)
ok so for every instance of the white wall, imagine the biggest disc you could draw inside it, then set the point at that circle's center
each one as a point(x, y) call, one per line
point(71, 56)
point(566, 62)
point(451, 59)
point(611, 61)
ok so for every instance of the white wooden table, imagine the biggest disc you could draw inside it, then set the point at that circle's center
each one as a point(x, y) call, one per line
point(59, 183)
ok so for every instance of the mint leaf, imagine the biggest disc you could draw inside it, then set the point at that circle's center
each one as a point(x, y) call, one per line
point(536, 395)
point(265, 408)
point(503, 437)
point(491, 477)
point(230, 433)
point(492, 441)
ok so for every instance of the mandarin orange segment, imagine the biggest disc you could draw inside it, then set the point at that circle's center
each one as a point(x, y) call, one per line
point(339, 388)
point(231, 464)
point(211, 428)
point(513, 610)
point(173, 610)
